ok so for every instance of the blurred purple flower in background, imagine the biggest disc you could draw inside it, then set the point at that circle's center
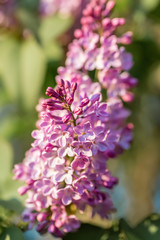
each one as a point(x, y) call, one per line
point(49, 7)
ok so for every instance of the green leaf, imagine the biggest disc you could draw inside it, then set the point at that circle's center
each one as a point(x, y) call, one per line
point(52, 27)
point(86, 231)
point(6, 157)
point(12, 233)
point(53, 51)
point(149, 229)
point(33, 68)
point(9, 191)
point(12, 204)
point(9, 65)
point(149, 5)
point(29, 20)
point(128, 231)
point(30, 5)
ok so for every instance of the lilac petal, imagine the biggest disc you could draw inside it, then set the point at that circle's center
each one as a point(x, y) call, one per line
point(60, 177)
point(75, 143)
point(100, 137)
point(94, 149)
point(62, 152)
point(78, 129)
point(37, 134)
point(59, 161)
point(89, 186)
point(66, 200)
point(63, 141)
point(103, 107)
point(98, 130)
point(54, 136)
point(70, 152)
point(88, 153)
point(101, 146)
point(54, 193)
point(95, 98)
point(68, 179)
point(80, 189)
point(87, 126)
point(47, 190)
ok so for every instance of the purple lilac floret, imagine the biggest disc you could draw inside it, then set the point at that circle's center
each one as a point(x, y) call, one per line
point(79, 129)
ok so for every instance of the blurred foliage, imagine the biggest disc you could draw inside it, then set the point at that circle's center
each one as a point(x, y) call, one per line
point(30, 55)
point(148, 229)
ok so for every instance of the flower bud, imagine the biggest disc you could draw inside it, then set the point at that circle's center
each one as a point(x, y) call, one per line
point(109, 6)
point(73, 87)
point(88, 11)
point(126, 38)
point(67, 84)
point(59, 91)
point(69, 99)
point(61, 82)
point(78, 33)
point(128, 97)
point(106, 23)
point(66, 117)
point(42, 216)
point(78, 110)
point(51, 228)
point(51, 93)
point(22, 190)
point(29, 181)
point(87, 20)
point(48, 147)
point(41, 226)
point(84, 102)
point(118, 22)
point(97, 11)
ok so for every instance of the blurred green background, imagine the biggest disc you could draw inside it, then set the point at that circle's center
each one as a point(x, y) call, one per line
point(31, 49)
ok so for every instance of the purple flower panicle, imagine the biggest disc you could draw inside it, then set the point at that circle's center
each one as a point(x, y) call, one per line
point(79, 128)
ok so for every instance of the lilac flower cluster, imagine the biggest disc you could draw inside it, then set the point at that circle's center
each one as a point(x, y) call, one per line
point(79, 128)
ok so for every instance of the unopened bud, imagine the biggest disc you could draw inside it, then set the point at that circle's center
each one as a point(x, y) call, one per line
point(67, 84)
point(118, 22)
point(88, 11)
point(66, 117)
point(87, 20)
point(78, 33)
point(51, 228)
point(48, 147)
point(106, 23)
point(78, 110)
point(84, 102)
point(73, 87)
point(41, 226)
point(22, 190)
point(59, 91)
point(69, 99)
point(128, 97)
point(51, 93)
point(109, 6)
point(60, 82)
point(97, 11)
point(126, 38)
point(42, 216)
